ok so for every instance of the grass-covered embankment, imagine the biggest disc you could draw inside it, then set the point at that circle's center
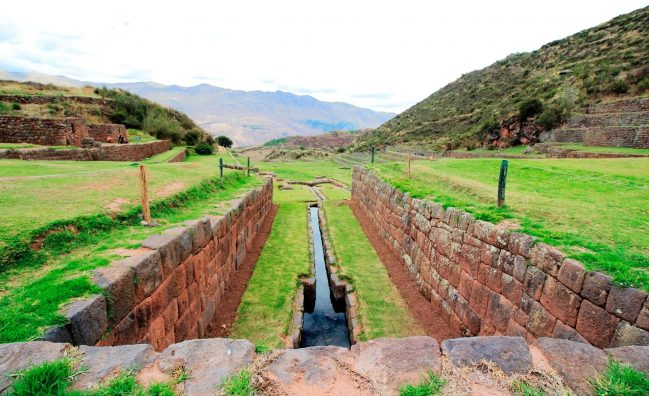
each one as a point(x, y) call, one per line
point(308, 170)
point(594, 210)
point(33, 289)
point(266, 306)
point(382, 311)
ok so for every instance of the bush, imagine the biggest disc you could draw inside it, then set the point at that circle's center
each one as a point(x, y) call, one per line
point(619, 86)
point(224, 141)
point(204, 148)
point(530, 108)
point(550, 118)
point(15, 106)
point(191, 137)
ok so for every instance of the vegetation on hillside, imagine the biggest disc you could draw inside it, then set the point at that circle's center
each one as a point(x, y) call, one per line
point(563, 76)
point(157, 120)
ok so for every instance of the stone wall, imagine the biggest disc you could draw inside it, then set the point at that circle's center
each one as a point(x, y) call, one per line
point(43, 99)
point(180, 157)
point(101, 132)
point(170, 291)
point(113, 152)
point(43, 131)
point(489, 281)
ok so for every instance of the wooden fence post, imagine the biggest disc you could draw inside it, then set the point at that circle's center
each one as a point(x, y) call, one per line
point(409, 159)
point(372, 154)
point(144, 195)
point(221, 167)
point(501, 183)
point(248, 166)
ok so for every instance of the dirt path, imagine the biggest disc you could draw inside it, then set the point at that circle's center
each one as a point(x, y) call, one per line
point(428, 316)
point(226, 312)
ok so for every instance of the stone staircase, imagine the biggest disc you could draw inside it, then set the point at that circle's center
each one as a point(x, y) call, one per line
point(621, 123)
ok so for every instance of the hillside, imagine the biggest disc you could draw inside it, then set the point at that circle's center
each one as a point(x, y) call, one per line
point(248, 117)
point(97, 105)
point(609, 60)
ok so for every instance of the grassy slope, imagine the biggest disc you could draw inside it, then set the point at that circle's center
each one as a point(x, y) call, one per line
point(382, 311)
point(266, 306)
point(595, 210)
point(31, 295)
point(85, 188)
point(597, 57)
point(305, 171)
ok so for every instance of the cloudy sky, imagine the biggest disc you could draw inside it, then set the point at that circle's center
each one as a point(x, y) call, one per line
point(385, 55)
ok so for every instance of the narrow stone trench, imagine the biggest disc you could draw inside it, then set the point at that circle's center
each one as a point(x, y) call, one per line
point(325, 322)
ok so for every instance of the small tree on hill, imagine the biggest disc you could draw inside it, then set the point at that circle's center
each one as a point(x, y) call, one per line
point(224, 141)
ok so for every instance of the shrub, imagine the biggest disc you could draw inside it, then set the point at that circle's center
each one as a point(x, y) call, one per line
point(550, 118)
point(530, 108)
point(191, 137)
point(619, 86)
point(224, 141)
point(15, 106)
point(204, 148)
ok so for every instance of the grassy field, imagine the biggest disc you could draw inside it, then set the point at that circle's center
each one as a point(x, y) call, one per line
point(382, 311)
point(306, 171)
point(598, 149)
point(594, 210)
point(30, 295)
point(266, 306)
point(35, 193)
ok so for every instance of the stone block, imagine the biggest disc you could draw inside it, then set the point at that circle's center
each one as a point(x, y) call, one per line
point(596, 325)
point(540, 322)
point(499, 312)
point(510, 354)
point(18, 356)
point(512, 289)
point(520, 268)
point(547, 258)
point(466, 284)
point(625, 302)
point(147, 272)
point(560, 301)
point(103, 363)
point(577, 363)
point(169, 248)
point(185, 240)
point(514, 329)
point(596, 287)
point(143, 318)
point(533, 282)
point(520, 244)
point(493, 279)
point(479, 297)
point(209, 361)
point(626, 334)
point(117, 282)
point(635, 355)
point(561, 330)
point(472, 320)
point(643, 317)
point(489, 255)
point(572, 274)
point(87, 319)
point(393, 362)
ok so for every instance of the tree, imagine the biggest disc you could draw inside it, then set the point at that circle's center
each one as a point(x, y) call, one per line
point(224, 141)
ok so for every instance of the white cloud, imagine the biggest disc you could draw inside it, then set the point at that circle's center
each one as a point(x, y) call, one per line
point(386, 55)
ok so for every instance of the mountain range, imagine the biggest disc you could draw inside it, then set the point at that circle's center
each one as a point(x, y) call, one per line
point(247, 117)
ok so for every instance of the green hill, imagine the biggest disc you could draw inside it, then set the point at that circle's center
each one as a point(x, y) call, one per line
point(609, 60)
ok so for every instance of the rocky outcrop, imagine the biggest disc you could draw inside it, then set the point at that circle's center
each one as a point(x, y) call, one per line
point(377, 367)
point(490, 281)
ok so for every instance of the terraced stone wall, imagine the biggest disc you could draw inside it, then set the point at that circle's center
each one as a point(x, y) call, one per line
point(101, 132)
point(490, 281)
point(42, 131)
point(169, 291)
point(114, 152)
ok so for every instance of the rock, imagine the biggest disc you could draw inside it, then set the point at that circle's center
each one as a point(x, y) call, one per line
point(57, 334)
point(510, 354)
point(21, 355)
point(148, 272)
point(324, 370)
point(393, 362)
point(117, 281)
point(596, 287)
point(88, 320)
point(105, 362)
point(625, 302)
point(626, 334)
point(635, 355)
point(575, 362)
point(208, 361)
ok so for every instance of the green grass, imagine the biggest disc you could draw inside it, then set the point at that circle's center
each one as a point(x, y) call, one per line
point(431, 386)
point(307, 171)
point(15, 146)
point(54, 379)
point(266, 306)
point(382, 311)
point(164, 157)
point(334, 193)
point(621, 380)
point(521, 388)
point(133, 134)
point(32, 290)
point(594, 210)
point(35, 193)
point(598, 149)
point(238, 384)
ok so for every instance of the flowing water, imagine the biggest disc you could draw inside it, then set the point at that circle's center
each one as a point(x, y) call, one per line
point(323, 326)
